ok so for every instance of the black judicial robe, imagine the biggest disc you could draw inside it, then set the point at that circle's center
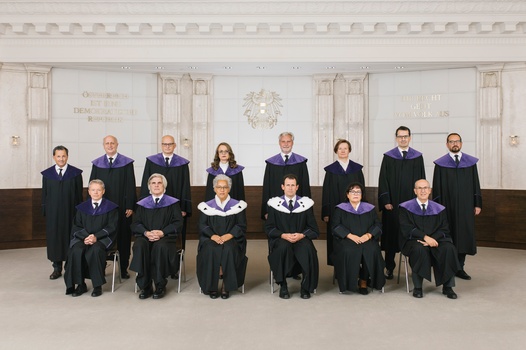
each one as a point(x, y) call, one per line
point(283, 254)
point(101, 222)
point(396, 185)
point(238, 183)
point(177, 174)
point(230, 255)
point(59, 198)
point(348, 255)
point(120, 188)
point(414, 225)
point(458, 189)
point(335, 185)
point(276, 169)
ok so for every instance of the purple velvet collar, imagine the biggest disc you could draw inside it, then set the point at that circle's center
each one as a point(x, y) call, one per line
point(229, 171)
point(363, 208)
point(70, 173)
point(175, 162)
point(294, 159)
point(120, 161)
point(395, 154)
point(336, 168)
point(149, 203)
point(432, 208)
point(231, 203)
point(105, 207)
point(466, 161)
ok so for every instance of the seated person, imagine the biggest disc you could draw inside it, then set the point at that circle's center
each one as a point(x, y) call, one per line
point(156, 223)
point(222, 242)
point(92, 233)
point(291, 227)
point(356, 230)
point(427, 242)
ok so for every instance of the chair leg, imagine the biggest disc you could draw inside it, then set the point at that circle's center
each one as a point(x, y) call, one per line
point(136, 286)
point(399, 266)
point(181, 262)
point(406, 274)
point(271, 282)
point(114, 268)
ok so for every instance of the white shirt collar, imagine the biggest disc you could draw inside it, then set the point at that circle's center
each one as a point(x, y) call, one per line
point(283, 155)
point(224, 166)
point(113, 156)
point(223, 204)
point(420, 203)
point(452, 155)
point(57, 168)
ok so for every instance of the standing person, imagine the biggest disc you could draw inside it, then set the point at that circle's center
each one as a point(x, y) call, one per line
point(427, 242)
point(280, 165)
point(156, 224)
point(357, 254)
point(225, 164)
point(291, 227)
point(222, 243)
point(176, 171)
point(93, 232)
point(456, 186)
point(116, 171)
point(401, 167)
point(338, 176)
point(61, 192)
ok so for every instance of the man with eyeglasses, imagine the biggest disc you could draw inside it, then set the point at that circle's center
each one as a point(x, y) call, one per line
point(456, 186)
point(401, 167)
point(427, 241)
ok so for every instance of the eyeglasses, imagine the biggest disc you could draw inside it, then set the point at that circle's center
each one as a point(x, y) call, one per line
point(223, 152)
point(222, 187)
point(403, 136)
point(355, 192)
point(452, 142)
point(167, 144)
point(422, 188)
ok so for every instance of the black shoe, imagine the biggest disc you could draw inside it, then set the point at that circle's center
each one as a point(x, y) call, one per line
point(363, 291)
point(146, 293)
point(296, 277)
point(70, 290)
point(304, 294)
point(225, 295)
point(97, 292)
point(284, 292)
point(417, 293)
point(175, 276)
point(81, 289)
point(389, 274)
point(213, 295)
point(159, 293)
point(56, 274)
point(448, 291)
point(463, 275)
point(125, 275)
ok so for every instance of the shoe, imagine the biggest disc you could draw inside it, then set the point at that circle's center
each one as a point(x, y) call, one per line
point(363, 291)
point(56, 274)
point(463, 275)
point(417, 293)
point(213, 295)
point(448, 291)
point(125, 275)
point(296, 277)
point(146, 293)
point(175, 276)
point(284, 292)
point(304, 294)
point(389, 274)
point(159, 293)
point(70, 290)
point(225, 295)
point(97, 292)
point(81, 289)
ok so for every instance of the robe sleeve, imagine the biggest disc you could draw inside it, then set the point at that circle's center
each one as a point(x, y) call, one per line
point(186, 196)
point(338, 229)
point(408, 227)
point(130, 189)
point(78, 189)
point(270, 225)
point(145, 175)
point(305, 181)
point(476, 186)
point(137, 227)
point(44, 195)
point(204, 228)
point(384, 197)
point(311, 230)
point(240, 228)
point(209, 190)
point(265, 194)
point(326, 196)
point(376, 228)
point(175, 224)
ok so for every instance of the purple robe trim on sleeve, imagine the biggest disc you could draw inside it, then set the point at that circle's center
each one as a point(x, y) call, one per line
point(336, 168)
point(105, 207)
point(363, 208)
point(175, 162)
point(103, 163)
point(231, 203)
point(229, 171)
point(71, 172)
point(395, 153)
point(148, 203)
point(294, 159)
point(466, 161)
point(432, 208)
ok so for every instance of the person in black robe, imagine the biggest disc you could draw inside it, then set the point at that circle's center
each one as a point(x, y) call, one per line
point(356, 231)
point(280, 165)
point(291, 227)
point(401, 168)
point(427, 242)
point(225, 164)
point(222, 243)
point(94, 231)
point(456, 186)
point(61, 192)
point(116, 171)
point(156, 224)
point(176, 171)
point(338, 176)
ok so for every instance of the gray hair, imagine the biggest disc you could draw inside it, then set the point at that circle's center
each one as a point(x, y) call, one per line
point(165, 182)
point(286, 133)
point(98, 182)
point(222, 178)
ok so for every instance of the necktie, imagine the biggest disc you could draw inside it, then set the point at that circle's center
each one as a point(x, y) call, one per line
point(111, 161)
point(96, 205)
point(60, 173)
point(291, 207)
point(156, 201)
point(423, 208)
point(404, 154)
point(167, 161)
point(456, 159)
point(286, 158)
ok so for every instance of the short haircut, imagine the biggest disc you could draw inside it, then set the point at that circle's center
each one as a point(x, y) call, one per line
point(428, 184)
point(222, 177)
point(113, 137)
point(286, 133)
point(165, 182)
point(60, 148)
point(452, 134)
point(291, 177)
point(401, 127)
point(339, 143)
point(353, 185)
point(97, 182)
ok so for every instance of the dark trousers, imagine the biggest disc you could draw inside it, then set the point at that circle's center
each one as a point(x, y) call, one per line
point(85, 261)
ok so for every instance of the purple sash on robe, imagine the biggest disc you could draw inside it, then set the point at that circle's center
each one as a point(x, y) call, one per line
point(149, 203)
point(336, 168)
point(278, 160)
point(395, 154)
point(160, 161)
point(432, 208)
point(466, 161)
point(103, 163)
point(105, 207)
point(71, 172)
point(231, 203)
point(363, 208)
point(229, 171)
